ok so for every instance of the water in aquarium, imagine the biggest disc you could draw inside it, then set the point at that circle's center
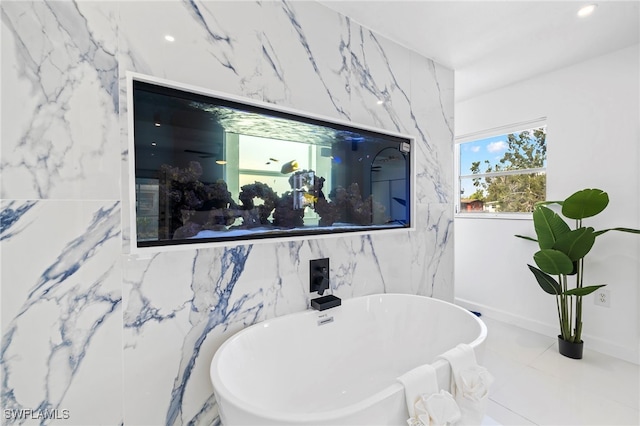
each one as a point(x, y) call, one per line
point(212, 169)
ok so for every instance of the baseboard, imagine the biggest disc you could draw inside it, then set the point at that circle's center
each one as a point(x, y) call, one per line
point(594, 343)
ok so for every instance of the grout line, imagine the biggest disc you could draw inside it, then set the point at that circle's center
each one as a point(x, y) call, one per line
point(514, 412)
point(551, 346)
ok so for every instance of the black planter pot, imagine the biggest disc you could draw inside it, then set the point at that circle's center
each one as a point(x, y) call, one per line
point(569, 349)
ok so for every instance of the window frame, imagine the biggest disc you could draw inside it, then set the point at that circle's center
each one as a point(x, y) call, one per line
point(487, 133)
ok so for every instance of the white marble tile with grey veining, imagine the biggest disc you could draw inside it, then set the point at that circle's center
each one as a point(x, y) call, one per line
point(61, 307)
point(305, 49)
point(432, 96)
point(60, 100)
point(214, 45)
point(432, 252)
point(380, 81)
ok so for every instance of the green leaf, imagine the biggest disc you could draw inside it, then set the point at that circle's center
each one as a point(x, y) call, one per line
point(575, 268)
point(545, 203)
point(585, 203)
point(630, 230)
point(524, 237)
point(549, 226)
point(583, 291)
point(576, 244)
point(547, 283)
point(553, 262)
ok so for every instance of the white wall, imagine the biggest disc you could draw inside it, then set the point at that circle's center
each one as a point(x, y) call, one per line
point(593, 141)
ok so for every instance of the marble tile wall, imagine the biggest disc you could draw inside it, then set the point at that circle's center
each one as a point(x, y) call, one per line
point(93, 335)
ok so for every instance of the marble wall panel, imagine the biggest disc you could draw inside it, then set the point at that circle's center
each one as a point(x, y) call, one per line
point(81, 316)
point(61, 311)
point(59, 100)
point(306, 64)
point(217, 44)
point(432, 111)
point(380, 81)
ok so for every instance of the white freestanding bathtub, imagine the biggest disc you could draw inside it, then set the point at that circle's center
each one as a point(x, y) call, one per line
point(338, 366)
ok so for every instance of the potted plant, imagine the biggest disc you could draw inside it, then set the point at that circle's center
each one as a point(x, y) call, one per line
point(562, 253)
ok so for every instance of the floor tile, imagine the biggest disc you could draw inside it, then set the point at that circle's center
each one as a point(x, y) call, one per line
point(535, 385)
point(501, 367)
point(513, 342)
point(548, 400)
point(503, 416)
point(604, 375)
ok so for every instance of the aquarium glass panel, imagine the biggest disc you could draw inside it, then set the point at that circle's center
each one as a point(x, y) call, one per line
point(210, 169)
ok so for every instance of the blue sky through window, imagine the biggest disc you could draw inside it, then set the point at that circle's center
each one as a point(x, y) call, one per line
point(492, 149)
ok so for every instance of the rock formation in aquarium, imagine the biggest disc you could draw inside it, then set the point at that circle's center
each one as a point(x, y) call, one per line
point(191, 204)
point(257, 216)
point(286, 216)
point(329, 212)
point(347, 206)
point(187, 230)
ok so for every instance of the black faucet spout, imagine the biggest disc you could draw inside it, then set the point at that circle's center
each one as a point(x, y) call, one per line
point(322, 280)
point(325, 302)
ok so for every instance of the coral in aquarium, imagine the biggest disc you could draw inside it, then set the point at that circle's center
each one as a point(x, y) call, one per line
point(218, 196)
point(286, 216)
point(257, 216)
point(329, 212)
point(220, 219)
point(352, 208)
point(187, 230)
point(190, 202)
point(191, 206)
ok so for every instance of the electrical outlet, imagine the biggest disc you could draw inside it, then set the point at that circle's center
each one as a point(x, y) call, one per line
point(603, 298)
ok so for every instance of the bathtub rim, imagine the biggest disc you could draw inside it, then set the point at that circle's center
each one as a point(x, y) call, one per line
point(310, 418)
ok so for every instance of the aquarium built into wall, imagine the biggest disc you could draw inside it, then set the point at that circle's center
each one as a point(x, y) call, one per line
point(210, 168)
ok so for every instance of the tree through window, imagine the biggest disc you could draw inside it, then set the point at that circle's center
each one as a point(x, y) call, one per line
point(504, 173)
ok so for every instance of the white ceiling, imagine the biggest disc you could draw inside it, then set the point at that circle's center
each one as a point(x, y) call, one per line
point(491, 44)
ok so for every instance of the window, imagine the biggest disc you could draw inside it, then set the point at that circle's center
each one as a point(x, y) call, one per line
point(503, 170)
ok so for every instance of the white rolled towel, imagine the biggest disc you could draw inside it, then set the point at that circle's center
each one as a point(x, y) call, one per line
point(426, 404)
point(440, 409)
point(421, 380)
point(470, 385)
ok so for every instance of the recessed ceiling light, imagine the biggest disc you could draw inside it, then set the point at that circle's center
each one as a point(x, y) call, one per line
point(157, 123)
point(169, 37)
point(221, 162)
point(587, 10)
point(153, 144)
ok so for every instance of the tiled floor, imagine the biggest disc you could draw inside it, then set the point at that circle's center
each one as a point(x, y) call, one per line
point(535, 385)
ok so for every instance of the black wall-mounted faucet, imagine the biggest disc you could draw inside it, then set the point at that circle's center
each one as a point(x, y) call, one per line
point(322, 280)
point(319, 282)
point(319, 275)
